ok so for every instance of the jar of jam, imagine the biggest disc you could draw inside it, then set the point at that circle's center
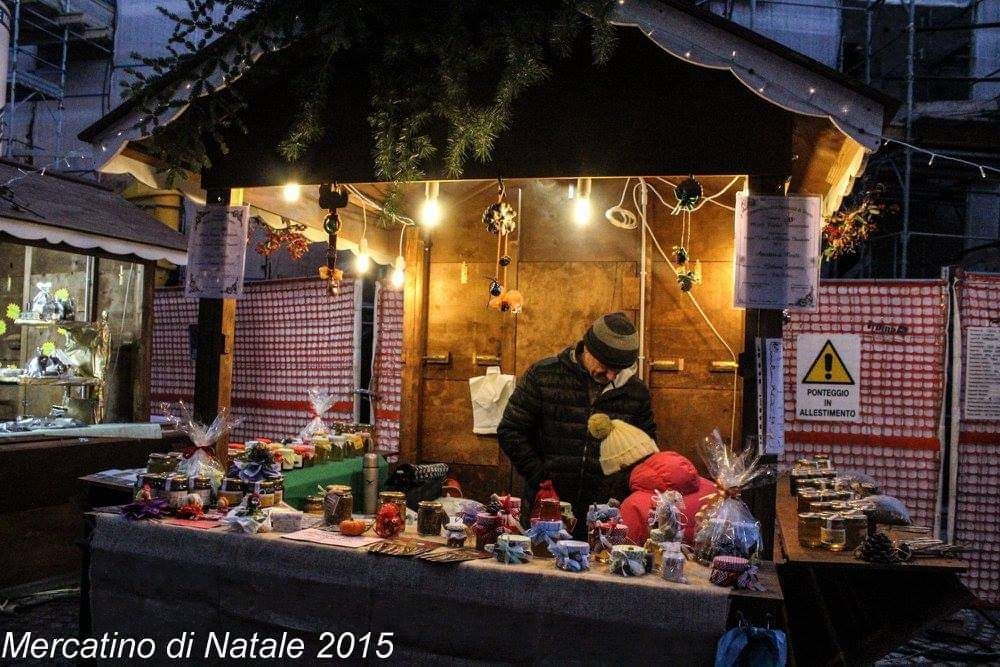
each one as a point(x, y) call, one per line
point(203, 487)
point(232, 491)
point(176, 488)
point(486, 527)
point(279, 490)
point(397, 497)
point(455, 532)
point(314, 505)
point(430, 515)
point(549, 509)
point(160, 463)
point(266, 493)
point(338, 504)
point(155, 482)
point(654, 546)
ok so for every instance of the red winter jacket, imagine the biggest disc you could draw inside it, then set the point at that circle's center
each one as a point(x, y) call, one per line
point(663, 471)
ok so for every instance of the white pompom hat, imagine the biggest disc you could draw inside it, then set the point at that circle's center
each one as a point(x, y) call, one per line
point(621, 443)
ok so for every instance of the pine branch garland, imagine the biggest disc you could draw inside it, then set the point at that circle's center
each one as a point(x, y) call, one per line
point(456, 64)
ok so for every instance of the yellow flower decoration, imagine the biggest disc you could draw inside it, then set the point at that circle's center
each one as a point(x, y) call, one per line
point(13, 311)
point(62, 294)
point(48, 348)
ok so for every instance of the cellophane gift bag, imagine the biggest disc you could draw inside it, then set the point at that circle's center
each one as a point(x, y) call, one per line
point(725, 526)
point(199, 459)
point(320, 400)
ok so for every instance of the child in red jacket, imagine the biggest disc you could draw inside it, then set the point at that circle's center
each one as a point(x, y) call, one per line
point(663, 471)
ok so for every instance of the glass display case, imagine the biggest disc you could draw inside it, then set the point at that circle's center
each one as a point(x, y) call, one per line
point(68, 339)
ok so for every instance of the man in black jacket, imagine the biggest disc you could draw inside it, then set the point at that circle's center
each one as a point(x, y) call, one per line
point(544, 427)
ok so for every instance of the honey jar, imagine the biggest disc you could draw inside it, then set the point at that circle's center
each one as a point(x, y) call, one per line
point(314, 505)
point(809, 529)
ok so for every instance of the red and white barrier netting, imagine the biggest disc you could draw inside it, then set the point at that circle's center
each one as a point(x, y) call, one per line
point(976, 459)
point(902, 325)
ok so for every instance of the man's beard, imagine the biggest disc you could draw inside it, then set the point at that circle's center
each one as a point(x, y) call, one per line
point(600, 379)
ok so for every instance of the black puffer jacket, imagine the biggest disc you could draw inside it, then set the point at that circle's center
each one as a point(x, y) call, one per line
point(544, 430)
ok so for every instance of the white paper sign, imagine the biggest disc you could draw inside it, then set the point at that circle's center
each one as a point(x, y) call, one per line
point(217, 249)
point(777, 252)
point(982, 373)
point(828, 377)
point(774, 391)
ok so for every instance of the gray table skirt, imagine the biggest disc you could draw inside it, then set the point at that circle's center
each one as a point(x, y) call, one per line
point(156, 580)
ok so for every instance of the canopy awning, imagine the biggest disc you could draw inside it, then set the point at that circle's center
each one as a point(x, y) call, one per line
point(59, 209)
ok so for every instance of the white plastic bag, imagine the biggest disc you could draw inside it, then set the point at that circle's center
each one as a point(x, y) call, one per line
point(725, 525)
point(321, 400)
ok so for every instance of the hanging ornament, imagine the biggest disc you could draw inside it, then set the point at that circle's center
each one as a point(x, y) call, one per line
point(681, 255)
point(688, 194)
point(496, 289)
point(332, 199)
point(515, 301)
point(290, 236)
point(505, 260)
point(500, 218)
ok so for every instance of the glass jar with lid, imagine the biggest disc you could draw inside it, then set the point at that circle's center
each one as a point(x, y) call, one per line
point(430, 515)
point(338, 504)
point(397, 497)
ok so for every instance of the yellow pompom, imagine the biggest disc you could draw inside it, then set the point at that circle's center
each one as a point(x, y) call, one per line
point(599, 425)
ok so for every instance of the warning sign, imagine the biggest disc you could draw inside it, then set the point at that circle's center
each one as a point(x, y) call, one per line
point(828, 369)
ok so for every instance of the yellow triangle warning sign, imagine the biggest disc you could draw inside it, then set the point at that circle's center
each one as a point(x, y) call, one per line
point(828, 368)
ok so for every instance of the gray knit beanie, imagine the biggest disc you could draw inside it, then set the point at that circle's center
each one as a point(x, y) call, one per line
point(613, 341)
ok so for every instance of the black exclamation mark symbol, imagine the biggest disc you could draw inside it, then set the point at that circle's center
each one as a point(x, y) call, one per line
point(828, 365)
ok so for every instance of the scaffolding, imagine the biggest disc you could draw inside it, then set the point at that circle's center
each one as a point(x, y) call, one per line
point(46, 38)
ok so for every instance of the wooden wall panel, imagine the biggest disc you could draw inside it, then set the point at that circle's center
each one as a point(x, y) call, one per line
point(447, 426)
point(562, 300)
point(570, 275)
point(458, 320)
point(685, 416)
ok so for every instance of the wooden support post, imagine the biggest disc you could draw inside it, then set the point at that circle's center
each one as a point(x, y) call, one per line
point(758, 324)
point(144, 356)
point(213, 375)
point(417, 253)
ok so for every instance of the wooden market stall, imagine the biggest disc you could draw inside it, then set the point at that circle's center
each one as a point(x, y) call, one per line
point(685, 92)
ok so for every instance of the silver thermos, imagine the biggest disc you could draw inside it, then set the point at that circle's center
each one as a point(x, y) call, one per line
point(369, 467)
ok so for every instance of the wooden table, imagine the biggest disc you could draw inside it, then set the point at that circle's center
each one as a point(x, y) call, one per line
point(479, 611)
point(843, 611)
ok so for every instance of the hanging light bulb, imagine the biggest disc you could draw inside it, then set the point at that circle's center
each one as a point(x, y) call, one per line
point(582, 209)
point(430, 211)
point(363, 261)
point(399, 273)
point(291, 192)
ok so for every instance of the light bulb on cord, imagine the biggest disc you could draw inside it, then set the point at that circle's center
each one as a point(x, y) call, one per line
point(363, 261)
point(582, 209)
point(291, 192)
point(399, 273)
point(430, 211)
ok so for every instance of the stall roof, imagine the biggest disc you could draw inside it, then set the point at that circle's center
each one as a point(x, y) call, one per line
point(573, 124)
point(60, 209)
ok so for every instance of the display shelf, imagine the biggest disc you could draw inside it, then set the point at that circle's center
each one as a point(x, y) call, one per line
point(65, 324)
point(59, 382)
